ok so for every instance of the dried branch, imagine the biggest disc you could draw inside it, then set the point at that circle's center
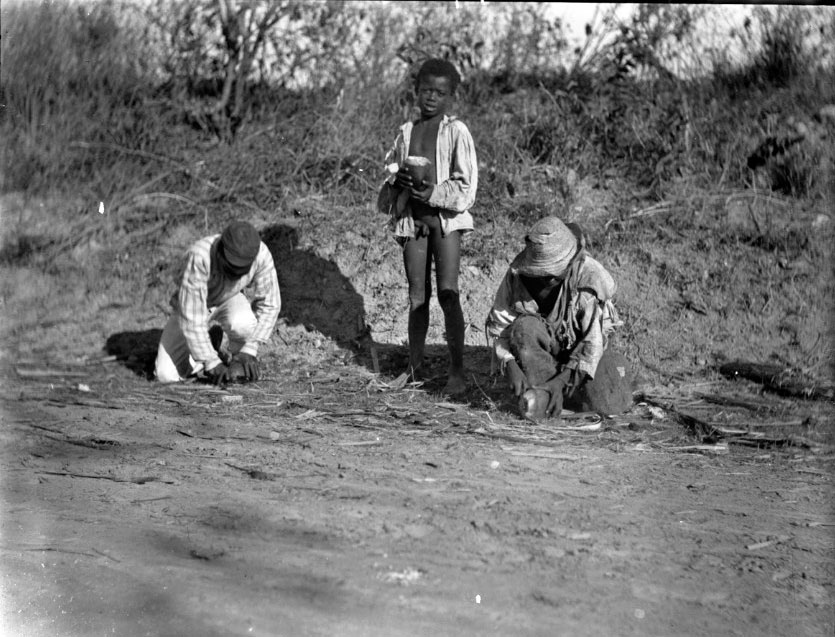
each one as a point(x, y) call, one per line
point(139, 480)
point(777, 379)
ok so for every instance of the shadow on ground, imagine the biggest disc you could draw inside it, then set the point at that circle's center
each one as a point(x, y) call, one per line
point(483, 390)
point(314, 293)
point(135, 350)
point(138, 350)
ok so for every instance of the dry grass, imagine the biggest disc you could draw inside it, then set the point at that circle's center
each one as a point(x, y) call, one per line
point(711, 262)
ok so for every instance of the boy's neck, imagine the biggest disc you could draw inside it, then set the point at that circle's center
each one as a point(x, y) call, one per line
point(433, 118)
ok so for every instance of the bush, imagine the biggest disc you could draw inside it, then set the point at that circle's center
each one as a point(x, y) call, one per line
point(70, 73)
point(116, 98)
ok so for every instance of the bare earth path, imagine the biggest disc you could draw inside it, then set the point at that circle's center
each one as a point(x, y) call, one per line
point(327, 504)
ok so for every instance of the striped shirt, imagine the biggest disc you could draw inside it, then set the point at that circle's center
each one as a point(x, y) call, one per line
point(204, 287)
point(456, 176)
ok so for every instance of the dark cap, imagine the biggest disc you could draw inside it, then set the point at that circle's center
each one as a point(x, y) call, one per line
point(240, 242)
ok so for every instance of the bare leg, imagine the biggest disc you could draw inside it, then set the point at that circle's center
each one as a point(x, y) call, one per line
point(446, 251)
point(418, 273)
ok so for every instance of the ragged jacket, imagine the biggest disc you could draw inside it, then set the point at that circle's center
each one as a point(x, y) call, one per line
point(456, 176)
point(591, 316)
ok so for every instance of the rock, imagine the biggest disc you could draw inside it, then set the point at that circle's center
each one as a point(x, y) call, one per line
point(754, 215)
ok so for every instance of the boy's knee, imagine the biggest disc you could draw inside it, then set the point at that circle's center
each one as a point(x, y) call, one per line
point(527, 323)
point(526, 330)
point(241, 326)
point(417, 301)
point(522, 351)
point(448, 299)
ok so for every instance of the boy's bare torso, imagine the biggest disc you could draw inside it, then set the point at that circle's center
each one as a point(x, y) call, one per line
point(423, 143)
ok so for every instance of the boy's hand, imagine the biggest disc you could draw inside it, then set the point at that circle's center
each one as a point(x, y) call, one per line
point(424, 192)
point(561, 385)
point(517, 378)
point(403, 179)
point(555, 388)
point(576, 379)
point(217, 375)
point(250, 365)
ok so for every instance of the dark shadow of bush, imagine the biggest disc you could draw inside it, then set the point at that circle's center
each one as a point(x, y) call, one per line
point(315, 294)
point(136, 350)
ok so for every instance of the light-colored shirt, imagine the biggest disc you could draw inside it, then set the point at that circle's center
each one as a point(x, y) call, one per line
point(456, 176)
point(595, 320)
point(204, 287)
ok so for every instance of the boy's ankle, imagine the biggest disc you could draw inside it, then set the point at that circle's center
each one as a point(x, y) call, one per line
point(456, 383)
point(456, 371)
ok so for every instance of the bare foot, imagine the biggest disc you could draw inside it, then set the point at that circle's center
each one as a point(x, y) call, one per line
point(533, 403)
point(456, 384)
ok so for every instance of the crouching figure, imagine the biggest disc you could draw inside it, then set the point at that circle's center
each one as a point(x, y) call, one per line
point(550, 325)
point(220, 271)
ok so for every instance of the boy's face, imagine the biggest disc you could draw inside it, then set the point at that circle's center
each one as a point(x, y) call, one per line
point(542, 284)
point(230, 270)
point(434, 95)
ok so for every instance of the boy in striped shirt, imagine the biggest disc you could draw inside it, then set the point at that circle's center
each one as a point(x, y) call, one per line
point(219, 268)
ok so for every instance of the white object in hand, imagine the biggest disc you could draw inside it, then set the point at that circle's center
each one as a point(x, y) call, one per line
point(417, 160)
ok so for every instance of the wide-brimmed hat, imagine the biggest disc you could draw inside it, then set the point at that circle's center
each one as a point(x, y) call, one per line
point(549, 247)
point(240, 243)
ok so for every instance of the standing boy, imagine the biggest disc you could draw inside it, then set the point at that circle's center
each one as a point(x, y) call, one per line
point(430, 225)
point(218, 269)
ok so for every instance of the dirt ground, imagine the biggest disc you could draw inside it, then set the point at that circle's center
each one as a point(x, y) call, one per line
point(326, 501)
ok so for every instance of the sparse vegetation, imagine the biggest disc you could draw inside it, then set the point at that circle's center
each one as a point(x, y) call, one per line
point(328, 499)
point(178, 115)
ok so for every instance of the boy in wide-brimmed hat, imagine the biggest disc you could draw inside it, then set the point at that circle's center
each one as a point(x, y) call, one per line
point(550, 325)
point(218, 269)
